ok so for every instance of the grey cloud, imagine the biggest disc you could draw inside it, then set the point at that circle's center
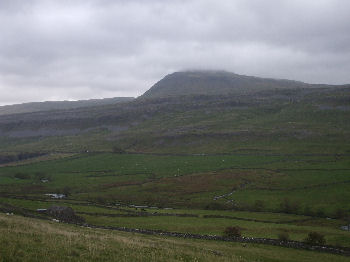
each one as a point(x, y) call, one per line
point(86, 49)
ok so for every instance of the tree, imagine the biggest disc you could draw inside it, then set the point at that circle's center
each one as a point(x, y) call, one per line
point(340, 213)
point(39, 175)
point(66, 191)
point(320, 212)
point(308, 211)
point(289, 207)
point(315, 238)
point(283, 236)
point(118, 150)
point(22, 176)
point(232, 232)
point(259, 205)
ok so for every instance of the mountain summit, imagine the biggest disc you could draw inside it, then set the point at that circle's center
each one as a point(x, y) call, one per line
point(215, 83)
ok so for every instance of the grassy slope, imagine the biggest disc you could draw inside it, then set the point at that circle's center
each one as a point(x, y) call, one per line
point(24, 239)
point(56, 105)
point(287, 121)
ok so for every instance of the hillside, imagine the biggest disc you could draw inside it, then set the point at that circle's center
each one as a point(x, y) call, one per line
point(217, 83)
point(276, 116)
point(25, 240)
point(57, 105)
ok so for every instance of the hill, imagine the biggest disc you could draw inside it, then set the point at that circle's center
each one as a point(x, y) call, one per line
point(276, 116)
point(57, 105)
point(217, 83)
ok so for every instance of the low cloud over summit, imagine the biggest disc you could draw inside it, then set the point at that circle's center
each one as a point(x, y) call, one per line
point(56, 50)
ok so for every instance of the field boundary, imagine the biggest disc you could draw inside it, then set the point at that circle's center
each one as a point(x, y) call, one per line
point(266, 241)
point(252, 240)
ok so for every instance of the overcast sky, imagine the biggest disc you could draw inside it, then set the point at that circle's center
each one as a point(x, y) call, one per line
point(81, 49)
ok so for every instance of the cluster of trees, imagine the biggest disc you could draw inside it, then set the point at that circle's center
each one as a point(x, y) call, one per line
point(233, 232)
point(290, 207)
point(286, 206)
point(313, 238)
point(118, 150)
point(18, 157)
point(37, 176)
point(22, 175)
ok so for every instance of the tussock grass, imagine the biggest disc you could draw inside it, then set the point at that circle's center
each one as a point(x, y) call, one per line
point(25, 239)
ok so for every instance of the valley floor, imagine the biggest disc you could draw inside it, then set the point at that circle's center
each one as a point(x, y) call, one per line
point(263, 195)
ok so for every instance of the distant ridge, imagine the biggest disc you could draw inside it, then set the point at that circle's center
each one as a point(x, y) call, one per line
point(58, 105)
point(216, 83)
point(201, 112)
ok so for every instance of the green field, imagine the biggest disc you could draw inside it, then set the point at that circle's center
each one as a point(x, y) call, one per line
point(277, 183)
point(272, 194)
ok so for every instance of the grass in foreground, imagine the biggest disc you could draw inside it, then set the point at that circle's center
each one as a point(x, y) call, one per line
point(296, 226)
point(24, 239)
